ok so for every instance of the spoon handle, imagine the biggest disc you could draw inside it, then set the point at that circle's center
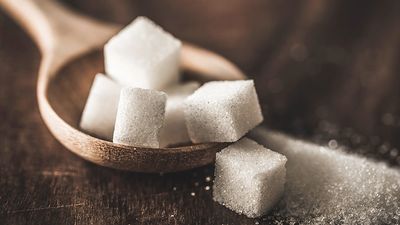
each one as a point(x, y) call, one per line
point(59, 32)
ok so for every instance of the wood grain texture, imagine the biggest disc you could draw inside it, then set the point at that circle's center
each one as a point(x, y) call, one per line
point(333, 74)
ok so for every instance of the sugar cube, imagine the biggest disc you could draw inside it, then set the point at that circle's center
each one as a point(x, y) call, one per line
point(174, 130)
point(143, 55)
point(222, 111)
point(99, 114)
point(249, 179)
point(140, 117)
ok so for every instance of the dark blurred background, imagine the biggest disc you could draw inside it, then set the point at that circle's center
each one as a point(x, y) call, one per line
point(325, 71)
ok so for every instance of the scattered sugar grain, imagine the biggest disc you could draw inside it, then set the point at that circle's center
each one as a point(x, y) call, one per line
point(325, 186)
point(394, 152)
point(333, 144)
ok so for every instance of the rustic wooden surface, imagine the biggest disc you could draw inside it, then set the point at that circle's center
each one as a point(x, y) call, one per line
point(324, 70)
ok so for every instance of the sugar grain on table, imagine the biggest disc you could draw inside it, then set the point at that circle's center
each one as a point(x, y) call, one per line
point(143, 55)
point(326, 186)
point(140, 117)
point(99, 114)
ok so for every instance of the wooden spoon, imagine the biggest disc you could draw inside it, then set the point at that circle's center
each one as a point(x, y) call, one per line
point(71, 47)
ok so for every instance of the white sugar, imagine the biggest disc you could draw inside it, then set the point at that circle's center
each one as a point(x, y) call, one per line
point(330, 186)
point(99, 114)
point(140, 117)
point(174, 130)
point(143, 55)
point(249, 179)
point(222, 111)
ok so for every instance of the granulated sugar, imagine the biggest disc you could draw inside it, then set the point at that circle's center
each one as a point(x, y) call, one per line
point(329, 186)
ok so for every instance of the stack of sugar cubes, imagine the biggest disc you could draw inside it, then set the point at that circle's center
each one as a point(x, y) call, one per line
point(140, 102)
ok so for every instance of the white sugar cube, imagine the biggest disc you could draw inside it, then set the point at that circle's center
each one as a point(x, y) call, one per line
point(99, 114)
point(174, 130)
point(249, 179)
point(222, 111)
point(140, 117)
point(143, 55)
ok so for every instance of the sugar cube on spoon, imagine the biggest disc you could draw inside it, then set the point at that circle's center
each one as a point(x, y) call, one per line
point(140, 117)
point(222, 111)
point(174, 130)
point(99, 114)
point(143, 55)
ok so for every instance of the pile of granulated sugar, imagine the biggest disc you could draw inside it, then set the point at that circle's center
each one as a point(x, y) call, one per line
point(325, 186)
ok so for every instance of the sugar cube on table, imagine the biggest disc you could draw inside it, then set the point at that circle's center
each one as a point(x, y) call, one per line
point(143, 55)
point(174, 130)
point(249, 179)
point(222, 111)
point(99, 114)
point(140, 117)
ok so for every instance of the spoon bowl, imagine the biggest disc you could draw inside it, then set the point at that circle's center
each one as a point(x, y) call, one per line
point(67, 94)
point(71, 46)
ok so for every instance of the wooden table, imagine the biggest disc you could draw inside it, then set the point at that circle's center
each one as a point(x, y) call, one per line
point(324, 70)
